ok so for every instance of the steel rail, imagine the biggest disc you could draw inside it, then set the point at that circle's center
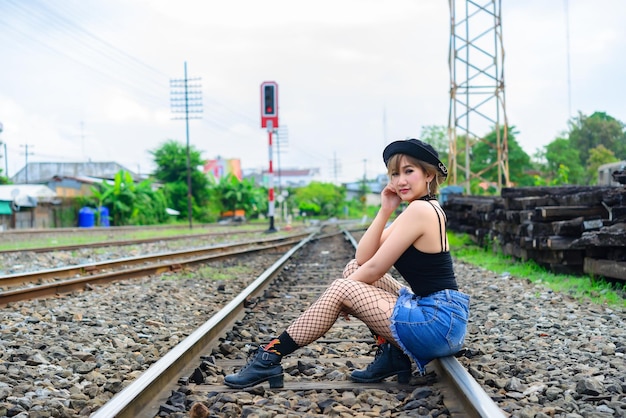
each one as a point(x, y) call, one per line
point(90, 268)
point(120, 243)
point(134, 400)
point(65, 286)
point(101, 229)
point(474, 400)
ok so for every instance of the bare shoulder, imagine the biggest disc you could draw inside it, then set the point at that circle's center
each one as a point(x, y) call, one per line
point(418, 214)
point(422, 208)
point(428, 224)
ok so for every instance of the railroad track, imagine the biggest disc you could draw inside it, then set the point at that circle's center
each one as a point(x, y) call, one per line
point(51, 282)
point(97, 230)
point(105, 236)
point(190, 377)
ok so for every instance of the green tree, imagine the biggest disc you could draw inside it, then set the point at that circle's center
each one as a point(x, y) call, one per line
point(171, 161)
point(598, 156)
point(318, 198)
point(561, 178)
point(437, 136)
point(559, 154)
point(129, 203)
point(461, 144)
point(100, 195)
point(232, 194)
point(3, 179)
point(150, 205)
point(587, 132)
point(118, 196)
point(485, 156)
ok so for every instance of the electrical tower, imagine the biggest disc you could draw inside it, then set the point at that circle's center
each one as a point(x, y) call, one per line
point(477, 102)
point(186, 99)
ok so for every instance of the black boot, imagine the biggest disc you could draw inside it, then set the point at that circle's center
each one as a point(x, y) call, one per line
point(265, 366)
point(389, 360)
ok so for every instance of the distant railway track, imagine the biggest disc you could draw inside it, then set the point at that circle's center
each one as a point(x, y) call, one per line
point(184, 369)
point(96, 230)
point(104, 237)
point(46, 283)
point(122, 242)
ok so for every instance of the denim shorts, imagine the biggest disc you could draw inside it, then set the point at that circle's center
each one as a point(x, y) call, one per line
point(431, 326)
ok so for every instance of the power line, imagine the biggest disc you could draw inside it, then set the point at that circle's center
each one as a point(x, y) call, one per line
point(64, 38)
point(24, 21)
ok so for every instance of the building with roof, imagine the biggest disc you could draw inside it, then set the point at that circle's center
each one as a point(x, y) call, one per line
point(37, 173)
point(605, 173)
point(73, 186)
point(354, 190)
point(285, 177)
point(26, 206)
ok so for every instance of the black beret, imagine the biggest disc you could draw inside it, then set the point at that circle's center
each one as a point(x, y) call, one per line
point(417, 149)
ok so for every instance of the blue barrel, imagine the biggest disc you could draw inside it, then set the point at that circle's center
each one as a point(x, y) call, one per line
point(86, 217)
point(104, 217)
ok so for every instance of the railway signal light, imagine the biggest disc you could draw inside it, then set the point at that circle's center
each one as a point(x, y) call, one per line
point(269, 100)
point(269, 105)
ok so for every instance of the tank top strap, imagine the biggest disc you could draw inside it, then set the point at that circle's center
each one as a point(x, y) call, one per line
point(440, 213)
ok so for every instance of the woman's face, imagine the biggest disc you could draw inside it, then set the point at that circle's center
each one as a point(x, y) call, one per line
point(409, 180)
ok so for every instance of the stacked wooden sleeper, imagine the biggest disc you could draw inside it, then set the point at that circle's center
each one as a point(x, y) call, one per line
point(567, 229)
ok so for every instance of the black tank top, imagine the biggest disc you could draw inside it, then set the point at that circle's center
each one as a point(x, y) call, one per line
point(428, 273)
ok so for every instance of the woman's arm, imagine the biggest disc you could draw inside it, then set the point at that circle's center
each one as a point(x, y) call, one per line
point(408, 228)
point(376, 233)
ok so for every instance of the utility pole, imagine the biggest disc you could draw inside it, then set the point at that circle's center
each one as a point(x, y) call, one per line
point(26, 154)
point(186, 98)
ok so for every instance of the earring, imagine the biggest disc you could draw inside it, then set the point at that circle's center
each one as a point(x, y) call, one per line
point(428, 186)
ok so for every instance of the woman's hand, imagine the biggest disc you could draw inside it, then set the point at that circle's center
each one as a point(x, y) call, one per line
point(389, 199)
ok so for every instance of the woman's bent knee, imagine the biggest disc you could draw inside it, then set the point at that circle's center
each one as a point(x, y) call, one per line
point(350, 268)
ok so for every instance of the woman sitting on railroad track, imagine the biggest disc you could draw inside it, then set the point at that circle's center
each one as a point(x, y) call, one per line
point(427, 321)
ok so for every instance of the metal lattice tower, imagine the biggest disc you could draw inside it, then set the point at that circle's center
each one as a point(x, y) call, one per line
point(477, 104)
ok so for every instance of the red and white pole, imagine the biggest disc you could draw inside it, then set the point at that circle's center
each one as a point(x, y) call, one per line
point(270, 196)
point(269, 120)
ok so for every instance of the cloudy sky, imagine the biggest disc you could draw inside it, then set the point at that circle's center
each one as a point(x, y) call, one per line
point(88, 80)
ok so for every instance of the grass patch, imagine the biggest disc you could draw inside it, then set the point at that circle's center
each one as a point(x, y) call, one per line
point(216, 273)
point(583, 288)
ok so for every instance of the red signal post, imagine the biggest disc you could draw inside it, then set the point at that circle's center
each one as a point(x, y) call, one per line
point(269, 120)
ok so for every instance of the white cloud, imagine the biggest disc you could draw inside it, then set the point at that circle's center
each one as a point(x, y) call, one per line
point(91, 79)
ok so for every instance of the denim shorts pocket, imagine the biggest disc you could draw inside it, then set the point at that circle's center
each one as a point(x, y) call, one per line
point(456, 332)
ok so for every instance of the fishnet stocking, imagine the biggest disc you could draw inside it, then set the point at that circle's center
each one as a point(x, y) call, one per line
point(387, 282)
point(372, 304)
